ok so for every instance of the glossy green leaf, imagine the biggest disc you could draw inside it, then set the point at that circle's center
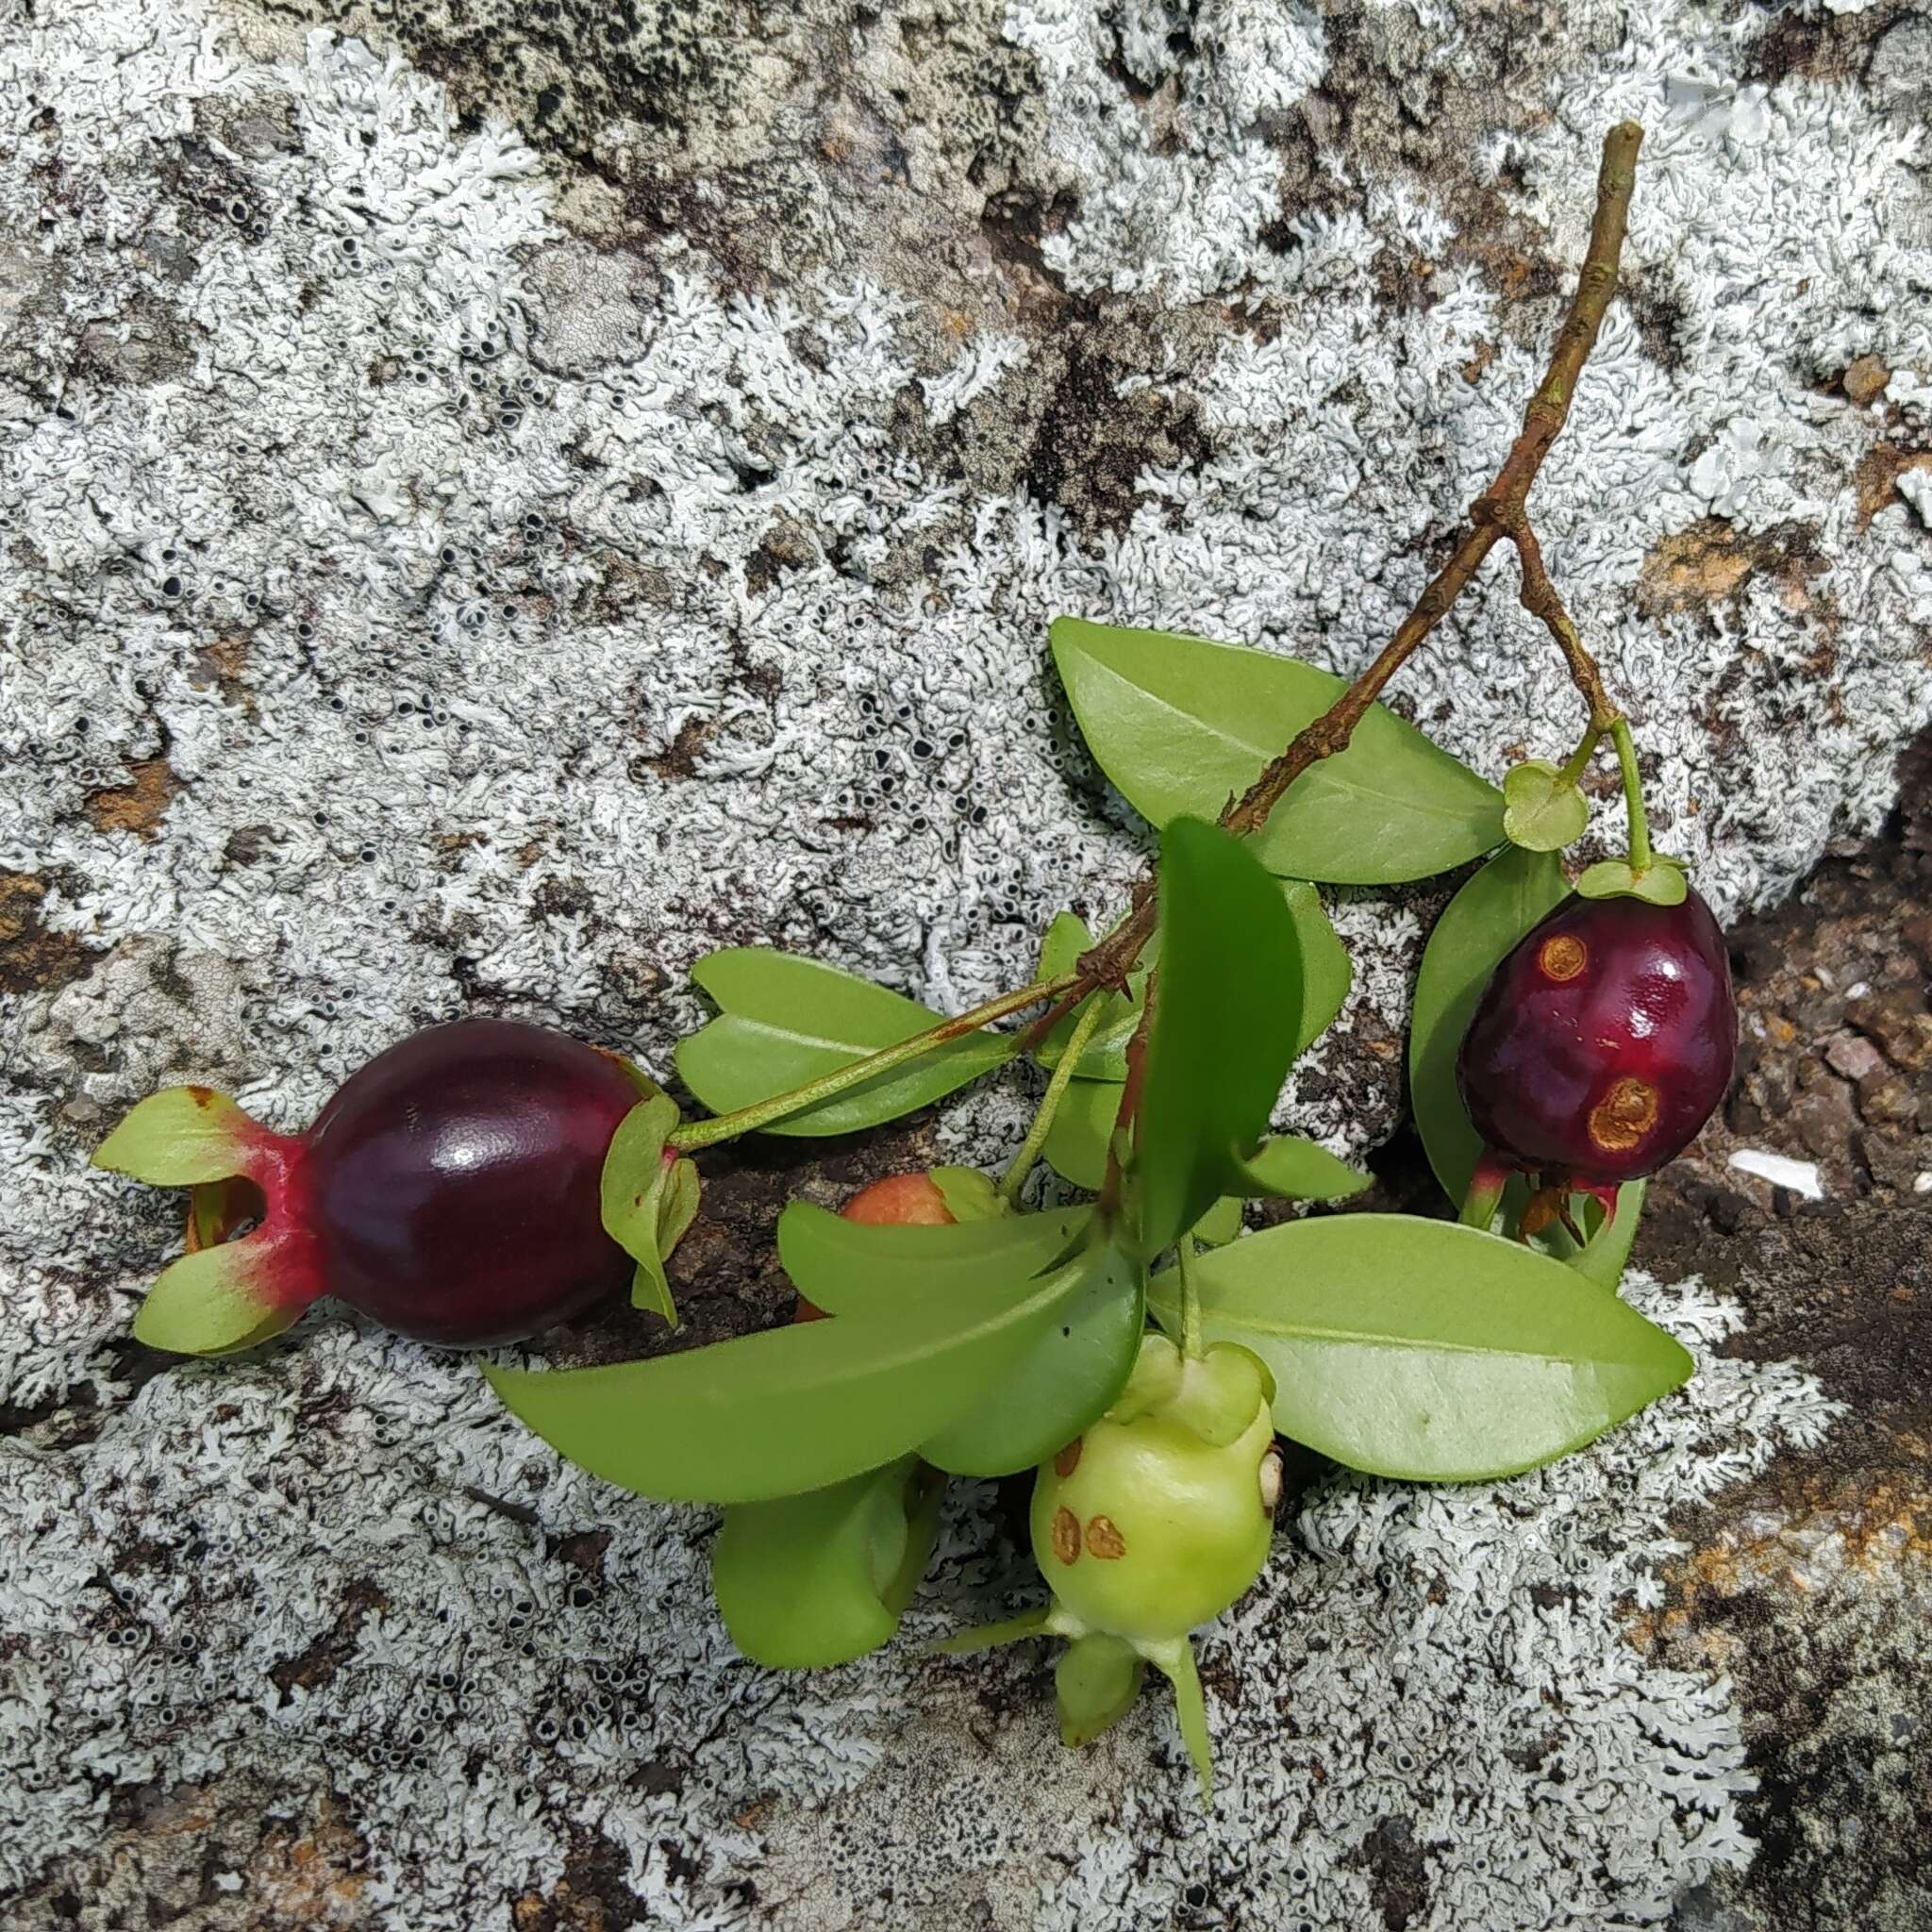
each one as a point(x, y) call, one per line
point(646, 1201)
point(181, 1136)
point(785, 1020)
point(1542, 812)
point(859, 1268)
point(1606, 1254)
point(792, 1409)
point(1479, 925)
point(1095, 1683)
point(804, 1582)
point(1327, 971)
point(1065, 1378)
point(1182, 726)
point(1429, 1351)
point(1077, 1142)
point(1663, 882)
point(1285, 1167)
point(1226, 1018)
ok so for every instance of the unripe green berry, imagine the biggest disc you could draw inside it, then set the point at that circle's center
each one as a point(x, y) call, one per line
point(1159, 1518)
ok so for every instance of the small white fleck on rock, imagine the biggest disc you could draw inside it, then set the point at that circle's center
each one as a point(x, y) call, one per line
point(1800, 1176)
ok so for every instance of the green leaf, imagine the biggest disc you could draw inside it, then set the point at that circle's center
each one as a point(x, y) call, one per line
point(1542, 812)
point(181, 1136)
point(804, 1582)
point(786, 1021)
point(1077, 1142)
point(792, 1409)
point(1663, 882)
point(646, 1202)
point(1067, 1376)
point(1287, 1168)
point(1224, 1024)
point(1066, 938)
point(1182, 726)
point(1604, 1256)
point(1095, 1683)
point(1222, 1223)
point(1477, 927)
point(213, 1302)
point(1429, 1351)
point(1327, 971)
point(859, 1268)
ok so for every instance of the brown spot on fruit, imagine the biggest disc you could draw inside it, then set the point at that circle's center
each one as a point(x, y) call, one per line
point(1621, 1118)
point(1068, 1460)
point(1563, 957)
point(202, 1096)
point(1066, 1534)
point(1104, 1539)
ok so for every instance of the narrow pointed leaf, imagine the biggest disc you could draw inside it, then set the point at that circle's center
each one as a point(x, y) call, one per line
point(1067, 1375)
point(1488, 915)
point(1429, 1351)
point(785, 1020)
point(1175, 1661)
point(787, 1410)
point(1224, 1024)
point(1182, 726)
point(1327, 971)
point(859, 1268)
point(1285, 1167)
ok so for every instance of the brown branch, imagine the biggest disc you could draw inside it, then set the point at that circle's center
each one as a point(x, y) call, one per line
point(1499, 513)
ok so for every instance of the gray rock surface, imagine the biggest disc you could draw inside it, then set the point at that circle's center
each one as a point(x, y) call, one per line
point(492, 510)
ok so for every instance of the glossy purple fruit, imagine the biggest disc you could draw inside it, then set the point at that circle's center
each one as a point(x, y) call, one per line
point(450, 1190)
point(1604, 1042)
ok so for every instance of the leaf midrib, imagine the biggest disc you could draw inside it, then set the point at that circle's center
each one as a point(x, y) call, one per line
point(854, 1049)
point(1327, 772)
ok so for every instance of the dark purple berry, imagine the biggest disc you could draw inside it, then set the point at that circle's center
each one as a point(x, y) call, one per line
point(1604, 1042)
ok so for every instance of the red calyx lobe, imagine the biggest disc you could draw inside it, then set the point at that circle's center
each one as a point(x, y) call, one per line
point(901, 1200)
point(450, 1188)
point(1604, 1042)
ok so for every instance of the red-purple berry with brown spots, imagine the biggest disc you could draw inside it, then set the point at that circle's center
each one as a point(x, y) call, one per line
point(1604, 1042)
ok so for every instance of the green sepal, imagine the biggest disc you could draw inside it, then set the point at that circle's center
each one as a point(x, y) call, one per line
point(1661, 882)
point(1542, 812)
point(646, 1201)
point(804, 1582)
point(211, 1302)
point(181, 1136)
point(1096, 1684)
point(1287, 1167)
point(1606, 1253)
point(1176, 1663)
point(969, 1194)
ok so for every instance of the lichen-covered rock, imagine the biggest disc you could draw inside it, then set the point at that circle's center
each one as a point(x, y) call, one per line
point(493, 510)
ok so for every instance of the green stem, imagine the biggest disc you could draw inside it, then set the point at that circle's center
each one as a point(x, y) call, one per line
point(1191, 1301)
point(1580, 758)
point(761, 1113)
point(1050, 1102)
point(1633, 796)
